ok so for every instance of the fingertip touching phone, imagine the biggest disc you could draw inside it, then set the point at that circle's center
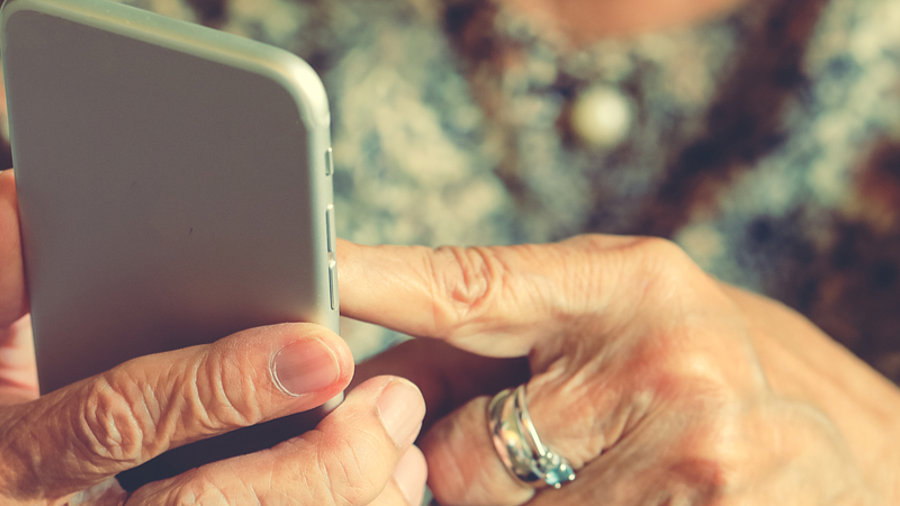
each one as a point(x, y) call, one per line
point(174, 187)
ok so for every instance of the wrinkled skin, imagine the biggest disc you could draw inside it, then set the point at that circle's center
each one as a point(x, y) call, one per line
point(660, 384)
point(65, 447)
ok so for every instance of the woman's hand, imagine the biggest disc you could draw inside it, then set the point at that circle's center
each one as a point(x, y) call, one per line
point(658, 383)
point(66, 446)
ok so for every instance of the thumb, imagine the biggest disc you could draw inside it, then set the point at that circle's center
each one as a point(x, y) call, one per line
point(360, 454)
point(75, 437)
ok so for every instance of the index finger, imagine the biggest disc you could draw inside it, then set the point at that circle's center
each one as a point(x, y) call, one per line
point(495, 301)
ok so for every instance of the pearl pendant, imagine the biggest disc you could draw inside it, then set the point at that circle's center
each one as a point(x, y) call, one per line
point(600, 117)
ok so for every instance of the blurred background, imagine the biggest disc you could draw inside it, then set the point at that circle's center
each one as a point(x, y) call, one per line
point(763, 137)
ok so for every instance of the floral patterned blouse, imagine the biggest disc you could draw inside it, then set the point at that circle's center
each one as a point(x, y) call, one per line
point(766, 142)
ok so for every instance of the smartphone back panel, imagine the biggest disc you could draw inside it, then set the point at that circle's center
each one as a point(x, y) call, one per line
point(173, 183)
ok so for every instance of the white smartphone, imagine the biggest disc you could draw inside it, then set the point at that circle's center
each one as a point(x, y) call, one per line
point(174, 187)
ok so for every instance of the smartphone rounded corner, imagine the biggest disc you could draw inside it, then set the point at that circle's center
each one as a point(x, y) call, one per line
point(301, 81)
point(9, 9)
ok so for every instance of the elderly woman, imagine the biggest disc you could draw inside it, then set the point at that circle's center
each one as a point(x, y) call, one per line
point(597, 370)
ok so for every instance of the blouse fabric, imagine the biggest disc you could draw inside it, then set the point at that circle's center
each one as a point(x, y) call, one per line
point(766, 142)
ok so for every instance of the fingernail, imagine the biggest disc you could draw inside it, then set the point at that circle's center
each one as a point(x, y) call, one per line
point(410, 475)
point(304, 367)
point(401, 410)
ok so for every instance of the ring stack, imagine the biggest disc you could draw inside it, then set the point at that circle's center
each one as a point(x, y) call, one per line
point(518, 444)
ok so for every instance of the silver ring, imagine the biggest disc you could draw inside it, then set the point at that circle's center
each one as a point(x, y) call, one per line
point(517, 442)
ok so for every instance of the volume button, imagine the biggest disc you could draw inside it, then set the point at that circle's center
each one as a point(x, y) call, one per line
point(332, 282)
point(329, 228)
point(329, 162)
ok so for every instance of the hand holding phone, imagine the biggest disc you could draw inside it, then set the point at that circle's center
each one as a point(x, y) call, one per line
point(174, 187)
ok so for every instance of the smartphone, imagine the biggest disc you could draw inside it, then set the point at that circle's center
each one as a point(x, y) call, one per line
point(174, 187)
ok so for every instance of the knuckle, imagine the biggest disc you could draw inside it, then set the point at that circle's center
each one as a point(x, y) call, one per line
point(661, 248)
point(465, 282)
point(699, 480)
point(592, 243)
point(654, 269)
point(112, 421)
point(683, 375)
point(663, 257)
point(698, 390)
point(219, 392)
point(704, 467)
